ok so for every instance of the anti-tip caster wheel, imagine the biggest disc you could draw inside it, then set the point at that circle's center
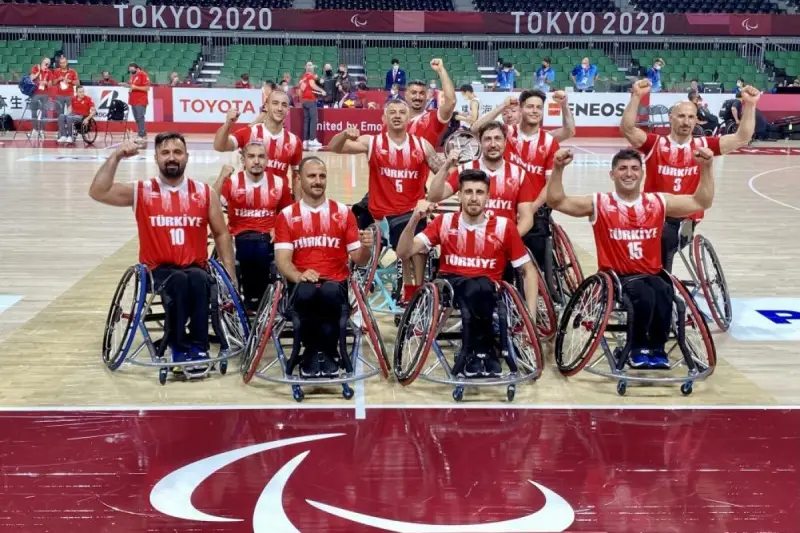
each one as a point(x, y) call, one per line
point(458, 393)
point(511, 392)
point(223, 367)
point(622, 386)
point(347, 391)
point(297, 393)
point(162, 375)
point(686, 388)
point(397, 319)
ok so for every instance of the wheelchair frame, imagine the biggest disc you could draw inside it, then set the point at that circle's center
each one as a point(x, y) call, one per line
point(88, 133)
point(613, 304)
point(271, 325)
point(225, 306)
point(438, 295)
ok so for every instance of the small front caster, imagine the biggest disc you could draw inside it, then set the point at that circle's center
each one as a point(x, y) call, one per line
point(162, 375)
point(511, 392)
point(458, 393)
point(223, 367)
point(347, 391)
point(297, 393)
point(622, 386)
point(686, 388)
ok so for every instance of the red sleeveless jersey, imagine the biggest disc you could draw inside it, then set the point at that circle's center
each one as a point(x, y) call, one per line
point(320, 238)
point(474, 251)
point(397, 175)
point(254, 206)
point(534, 154)
point(509, 187)
point(628, 234)
point(671, 167)
point(427, 126)
point(172, 222)
point(284, 150)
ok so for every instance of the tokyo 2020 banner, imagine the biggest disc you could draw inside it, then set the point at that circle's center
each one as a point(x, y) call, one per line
point(521, 23)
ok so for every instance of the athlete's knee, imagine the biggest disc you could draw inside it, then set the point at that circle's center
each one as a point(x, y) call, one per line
point(304, 296)
point(332, 293)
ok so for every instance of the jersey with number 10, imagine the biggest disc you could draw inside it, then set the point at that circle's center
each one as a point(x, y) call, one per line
point(397, 175)
point(172, 222)
point(628, 234)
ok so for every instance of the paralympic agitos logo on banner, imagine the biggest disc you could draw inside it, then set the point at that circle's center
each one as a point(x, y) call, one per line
point(172, 496)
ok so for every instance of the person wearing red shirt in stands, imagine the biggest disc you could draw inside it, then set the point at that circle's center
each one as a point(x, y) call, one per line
point(82, 110)
point(309, 92)
point(106, 79)
point(244, 82)
point(173, 215)
point(138, 97)
point(42, 76)
point(63, 84)
point(254, 198)
point(627, 225)
point(314, 240)
point(475, 249)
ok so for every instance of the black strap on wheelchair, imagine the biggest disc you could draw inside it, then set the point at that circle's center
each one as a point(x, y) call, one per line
point(216, 324)
point(505, 342)
point(344, 315)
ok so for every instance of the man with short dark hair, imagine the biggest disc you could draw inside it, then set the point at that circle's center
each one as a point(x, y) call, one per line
point(395, 75)
point(545, 76)
point(139, 85)
point(244, 82)
point(471, 108)
point(82, 110)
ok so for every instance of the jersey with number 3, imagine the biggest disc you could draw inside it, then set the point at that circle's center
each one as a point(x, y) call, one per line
point(397, 175)
point(628, 234)
point(172, 222)
point(671, 167)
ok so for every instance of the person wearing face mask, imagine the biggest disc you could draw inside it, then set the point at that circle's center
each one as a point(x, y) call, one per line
point(107, 80)
point(654, 75)
point(739, 86)
point(432, 97)
point(583, 76)
point(341, 77)
point(137, 98)
point(330, 85)
point(506, 78)
point(394, 93)
point(395, 75)
point(545, 76)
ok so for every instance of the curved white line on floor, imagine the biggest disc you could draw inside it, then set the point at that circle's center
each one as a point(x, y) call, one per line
point(764, 196)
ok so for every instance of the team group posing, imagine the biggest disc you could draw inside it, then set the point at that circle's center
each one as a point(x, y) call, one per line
point(506, 198)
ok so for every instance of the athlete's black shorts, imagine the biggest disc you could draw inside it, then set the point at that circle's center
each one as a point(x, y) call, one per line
point(397, 223)
point(671, 241)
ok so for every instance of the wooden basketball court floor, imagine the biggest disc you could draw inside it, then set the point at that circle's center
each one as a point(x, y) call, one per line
point(62, 255)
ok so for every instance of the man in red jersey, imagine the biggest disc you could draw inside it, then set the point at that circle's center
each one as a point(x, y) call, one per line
point(475, 249)
point(64, 81)
point(627, 228)
point(42, 76)
point(139, 85)
point(670, 162)
point(173, 214)
point(284, 149)
point(81, 110)
point(254, 198)
point(399, 164)
point(314, 239)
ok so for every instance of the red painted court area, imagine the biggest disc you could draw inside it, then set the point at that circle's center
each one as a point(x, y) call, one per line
point(427, 470)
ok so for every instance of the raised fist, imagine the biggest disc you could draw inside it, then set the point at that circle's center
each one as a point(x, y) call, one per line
point(560, 97)
point(352, 133)
point(437, 64)
point(453, 157)
point(226, 171)
point(511, 101)
point(641, 87)
point(563, 158)
point(232, 115)
point(750, 95)
point(704, 156)
point(127, 149)
point(424, 208)
point(366, 239)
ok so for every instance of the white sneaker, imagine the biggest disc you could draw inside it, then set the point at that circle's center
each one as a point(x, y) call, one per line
point(305, 145)
point(33, 133)
point(61, 140)
point(70, 140)
point(314, 144)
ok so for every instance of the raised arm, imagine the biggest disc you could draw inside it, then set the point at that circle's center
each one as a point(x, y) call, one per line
point(747, 122)
point(567, 129)
point(683, 205)
point(222, 139)
point(103, 188)
point(349, 141)
point(574, 206)
point(492, 115)
point(222, 237)
point(633, 134)
point(360, 256)
point(438, 188)
point(448, 103)
point(407, 245)
point(227, 171)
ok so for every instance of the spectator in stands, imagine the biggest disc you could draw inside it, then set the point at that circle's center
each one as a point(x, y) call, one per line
point(64, 80)
point(395, 75)
point(330, 85)
point(82, 109)
point(695, 86)
point(309, 92)
point(545, 76)
point(583, 76)
point(174, 80)
point(42, 76)
point(244, 82)
point(705, 118)
point(106, 79)
point(394, 93)
point(506, 78)
point(796, 82)
point(285, 88)
point(739, 86)
point(654, 75)
point(432, 96)
point(470, 109)
point(342, 76)
point(760, 131)
point(139, 84)
point(349, 99)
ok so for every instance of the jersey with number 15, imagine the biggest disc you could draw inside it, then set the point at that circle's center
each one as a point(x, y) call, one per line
point(172, 222)
point(397, 175)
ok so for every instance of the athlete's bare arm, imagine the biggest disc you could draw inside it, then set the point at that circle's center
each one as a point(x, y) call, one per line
point(525, 213)
point(283, 259)
point(222, 238)
point(222, 139)
point(438, 188)
point(407, 245)
point(349, 141)
point(530, 280)
point(226, 172)
point(632, 134)
point(683, 205)
point(567, 129)
point(492, 115)
point(434, 160)
point(361, 256)
point(747, 124)
point(103, 188)
point(448, 103)
point(574, 206)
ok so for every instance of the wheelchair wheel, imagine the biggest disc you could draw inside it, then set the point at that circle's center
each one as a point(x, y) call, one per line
point(124, 316)
point(545, 312)
point(366, 275)
point(230, 306)
point(261, 332)
point(521, 331)
point(369, 326)
point(583, 323)
point(416, 333)
point(567, 260)
point(712, 281)
point(89, 131)
point(697, 336)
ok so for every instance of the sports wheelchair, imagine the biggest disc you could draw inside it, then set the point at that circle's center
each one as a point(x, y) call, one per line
point(598, 315)
point(432, 321)
point(88, 131)
point(273, 324)
point(136, 304)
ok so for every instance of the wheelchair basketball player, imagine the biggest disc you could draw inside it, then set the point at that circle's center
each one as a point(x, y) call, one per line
point(173, 214)
point(475, 248)
point(254, 198)
point(628, 226)
point(314, 239)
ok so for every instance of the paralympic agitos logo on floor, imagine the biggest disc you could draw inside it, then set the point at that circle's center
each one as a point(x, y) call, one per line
point(172, 496)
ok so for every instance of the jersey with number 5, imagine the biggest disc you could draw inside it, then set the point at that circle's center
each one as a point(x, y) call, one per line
point(397, 175)
point(172, 222)
point(628, 234)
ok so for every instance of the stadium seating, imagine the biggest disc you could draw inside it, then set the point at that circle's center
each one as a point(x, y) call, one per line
point(577, 6)
point(786, 63)
point(706, 6)
point(526, 61)
point(265, 63)
point(273, 4)
point(387, 5)
point(459, 62)
point(159, 60)
point(18, 56)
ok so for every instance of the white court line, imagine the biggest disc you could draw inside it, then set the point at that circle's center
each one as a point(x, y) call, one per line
point(360, 399)
point(764, 196)
point(352, 170)
point(581, 148)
